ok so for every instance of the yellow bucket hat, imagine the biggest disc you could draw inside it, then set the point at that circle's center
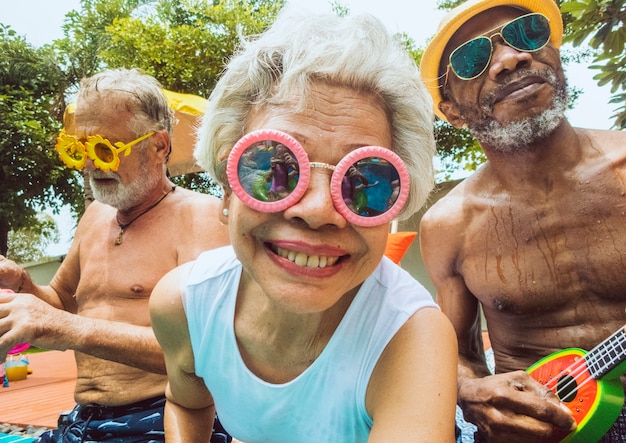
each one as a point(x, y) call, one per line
point(457, 17)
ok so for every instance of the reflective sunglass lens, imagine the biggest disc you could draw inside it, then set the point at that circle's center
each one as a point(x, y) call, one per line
point(104, 152)
point(370, 187)
point(527, 33)
point(74, 150)
point(268, 171)
point(471, 58)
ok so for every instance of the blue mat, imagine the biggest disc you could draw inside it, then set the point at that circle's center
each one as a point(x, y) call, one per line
point(6, 438)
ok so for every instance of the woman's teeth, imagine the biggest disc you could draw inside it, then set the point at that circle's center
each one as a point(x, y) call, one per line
point(310, 261)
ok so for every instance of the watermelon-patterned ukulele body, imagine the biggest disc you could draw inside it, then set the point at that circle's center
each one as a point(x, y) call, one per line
point(588, 384)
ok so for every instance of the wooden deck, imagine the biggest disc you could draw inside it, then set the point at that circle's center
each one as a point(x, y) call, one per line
point(49, 390)
point(43, 395)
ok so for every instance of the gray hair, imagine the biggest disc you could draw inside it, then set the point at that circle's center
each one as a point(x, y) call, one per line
point(354, 51)
point(145, 101)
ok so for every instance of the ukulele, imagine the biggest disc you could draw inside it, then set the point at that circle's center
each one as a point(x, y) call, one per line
point(588, 384)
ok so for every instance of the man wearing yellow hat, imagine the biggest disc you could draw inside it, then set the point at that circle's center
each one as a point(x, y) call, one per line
point(536, 237)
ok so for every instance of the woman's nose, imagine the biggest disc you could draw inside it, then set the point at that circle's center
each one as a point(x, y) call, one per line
point(316, 208)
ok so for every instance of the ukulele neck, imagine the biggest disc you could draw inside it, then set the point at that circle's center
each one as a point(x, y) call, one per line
point(607, 356)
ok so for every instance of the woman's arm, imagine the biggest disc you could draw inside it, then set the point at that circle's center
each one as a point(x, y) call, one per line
point(189, 411)
point(412, 392)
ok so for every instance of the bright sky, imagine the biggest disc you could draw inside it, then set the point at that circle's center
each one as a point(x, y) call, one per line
point(40, 21)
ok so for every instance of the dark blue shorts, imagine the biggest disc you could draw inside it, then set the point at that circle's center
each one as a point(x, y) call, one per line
point(140, 422)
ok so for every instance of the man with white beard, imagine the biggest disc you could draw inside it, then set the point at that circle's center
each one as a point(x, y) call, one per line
point(140, 227)
point(537, 236)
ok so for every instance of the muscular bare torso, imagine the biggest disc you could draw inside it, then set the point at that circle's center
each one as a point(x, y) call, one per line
point(547, 260)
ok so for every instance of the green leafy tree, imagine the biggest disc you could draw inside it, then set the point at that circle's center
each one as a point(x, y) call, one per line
point(184, 44)
point(601, 25)
point(85, 36)
point(29, 243)
point(31, 100)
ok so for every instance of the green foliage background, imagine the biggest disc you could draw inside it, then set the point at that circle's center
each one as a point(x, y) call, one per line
point(600, 24)
point(31, 101)
point(185, 45)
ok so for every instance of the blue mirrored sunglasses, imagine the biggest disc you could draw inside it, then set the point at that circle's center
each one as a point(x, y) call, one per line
point(528, 33)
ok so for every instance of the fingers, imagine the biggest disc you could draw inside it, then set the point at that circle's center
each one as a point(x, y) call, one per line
point(9, 333)
point(514, 407)
point(533, 402)
point(12, 275)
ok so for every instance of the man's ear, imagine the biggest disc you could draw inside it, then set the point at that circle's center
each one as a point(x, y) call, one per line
point(452, 113)
point(163, 144)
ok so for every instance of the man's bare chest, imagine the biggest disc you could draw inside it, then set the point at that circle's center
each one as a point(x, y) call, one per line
point(547, 250)
point(128, 271)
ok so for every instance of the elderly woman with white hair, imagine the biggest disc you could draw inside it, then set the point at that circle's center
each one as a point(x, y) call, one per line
point(320, 132)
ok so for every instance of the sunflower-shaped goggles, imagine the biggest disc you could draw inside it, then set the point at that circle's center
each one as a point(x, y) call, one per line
point(105, 155)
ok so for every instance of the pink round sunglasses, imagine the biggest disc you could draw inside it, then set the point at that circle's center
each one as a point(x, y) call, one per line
point(269, 171)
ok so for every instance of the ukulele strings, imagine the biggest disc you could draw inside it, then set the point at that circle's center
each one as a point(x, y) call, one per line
point(579, 367)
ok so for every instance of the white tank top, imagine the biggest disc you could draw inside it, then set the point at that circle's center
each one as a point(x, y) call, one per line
point(326, 403)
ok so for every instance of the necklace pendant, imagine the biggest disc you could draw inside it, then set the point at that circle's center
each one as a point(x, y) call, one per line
point(118, 240)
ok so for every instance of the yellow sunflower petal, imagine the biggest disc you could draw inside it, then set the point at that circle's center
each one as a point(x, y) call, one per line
point(71, 152)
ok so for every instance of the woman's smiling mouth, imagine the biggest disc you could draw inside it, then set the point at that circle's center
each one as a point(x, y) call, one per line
point(304, 260)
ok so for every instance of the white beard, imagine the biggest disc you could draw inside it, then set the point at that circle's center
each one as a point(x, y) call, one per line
point(120, 196)
point(515, 137)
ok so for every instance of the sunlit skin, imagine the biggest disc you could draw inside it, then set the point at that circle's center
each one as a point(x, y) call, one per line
point(525, 95)
point(288, 305)
point(102, 117)
point(313, 226)
point(103, 289)
point(537, 238)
